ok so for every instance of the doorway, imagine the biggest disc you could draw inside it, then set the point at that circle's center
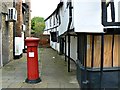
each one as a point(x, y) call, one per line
point(61, 46)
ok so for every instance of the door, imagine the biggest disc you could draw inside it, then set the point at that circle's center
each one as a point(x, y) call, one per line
point(61, 46)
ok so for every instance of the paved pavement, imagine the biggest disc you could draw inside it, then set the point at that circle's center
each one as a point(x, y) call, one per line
point(53, 72)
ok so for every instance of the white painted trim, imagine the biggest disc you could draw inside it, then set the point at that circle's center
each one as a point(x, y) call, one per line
point(1, 64)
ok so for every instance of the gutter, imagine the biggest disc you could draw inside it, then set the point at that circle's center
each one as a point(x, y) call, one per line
point(68, 30)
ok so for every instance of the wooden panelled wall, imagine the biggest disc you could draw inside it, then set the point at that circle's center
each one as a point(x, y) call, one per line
point(107, 51)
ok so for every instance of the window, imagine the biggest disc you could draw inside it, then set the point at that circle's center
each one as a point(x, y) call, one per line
point(54, 21)
point(105, 6)
point(57, 18)
point(54, 36)
point(50, 22)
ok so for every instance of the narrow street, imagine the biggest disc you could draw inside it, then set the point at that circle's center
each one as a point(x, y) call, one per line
point(52, 70)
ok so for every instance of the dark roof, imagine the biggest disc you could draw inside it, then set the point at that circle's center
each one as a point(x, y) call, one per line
point(57, 9)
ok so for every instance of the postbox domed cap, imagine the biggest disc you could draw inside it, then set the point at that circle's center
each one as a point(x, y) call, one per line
point(32, 38)
point(31, 41)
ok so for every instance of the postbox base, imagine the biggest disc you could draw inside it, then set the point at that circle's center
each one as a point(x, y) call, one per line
point(33, 81)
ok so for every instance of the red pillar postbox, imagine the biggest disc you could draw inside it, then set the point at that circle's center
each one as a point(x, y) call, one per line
point(32, 60)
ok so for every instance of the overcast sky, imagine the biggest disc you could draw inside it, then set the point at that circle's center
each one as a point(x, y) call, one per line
point(43, 8)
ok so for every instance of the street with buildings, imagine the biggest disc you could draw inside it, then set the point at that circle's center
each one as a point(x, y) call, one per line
point(83, 39)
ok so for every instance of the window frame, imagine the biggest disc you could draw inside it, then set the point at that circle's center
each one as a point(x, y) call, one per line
point(104, 14)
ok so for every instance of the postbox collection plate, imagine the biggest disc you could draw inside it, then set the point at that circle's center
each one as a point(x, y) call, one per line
point(31, 54)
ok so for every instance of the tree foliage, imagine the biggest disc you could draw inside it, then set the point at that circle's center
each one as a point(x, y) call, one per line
point(37, 25)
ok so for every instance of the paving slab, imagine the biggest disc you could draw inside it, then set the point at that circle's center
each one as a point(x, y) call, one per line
point(52, 71)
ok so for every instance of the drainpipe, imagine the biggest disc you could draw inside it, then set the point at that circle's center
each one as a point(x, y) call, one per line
point(70, 15)
point(14, 33)
point(68, 29)
point(68, 52)
point(65, 49)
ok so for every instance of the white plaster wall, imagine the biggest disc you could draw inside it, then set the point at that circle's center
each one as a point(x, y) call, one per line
point(87, 16)
point(22, 39)
point(58, 47)
point(73, 47)
point(54, 45)
point(47, 32)
point(119, 11)
point(64, 12)
point(47, 24)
